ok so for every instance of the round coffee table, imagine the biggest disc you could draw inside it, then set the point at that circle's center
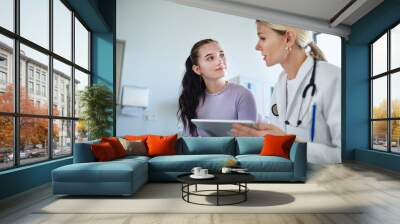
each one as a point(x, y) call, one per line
point(238, 179)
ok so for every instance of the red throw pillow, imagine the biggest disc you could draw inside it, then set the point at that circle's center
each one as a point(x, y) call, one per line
point(116, 145)
point(161, 145)
point(277, 145)
point(103, 151)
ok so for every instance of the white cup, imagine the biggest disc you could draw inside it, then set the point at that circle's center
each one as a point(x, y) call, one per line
point(196, 170)
point(203, 172)
point(226, 170)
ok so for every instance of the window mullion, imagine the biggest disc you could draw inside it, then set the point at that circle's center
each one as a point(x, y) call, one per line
point(16, 83)
point(50, 81)
point(389, 105)
point(73, 82)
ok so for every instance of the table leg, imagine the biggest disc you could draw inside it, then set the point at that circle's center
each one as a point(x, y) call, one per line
point(196, 188)
point(217, 194)
point(245, 193)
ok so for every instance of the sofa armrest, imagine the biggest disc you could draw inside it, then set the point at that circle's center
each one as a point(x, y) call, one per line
point(298, 155)
point(83, 152)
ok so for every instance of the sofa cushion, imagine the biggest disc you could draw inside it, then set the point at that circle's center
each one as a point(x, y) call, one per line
point(112, 171)
point(257, 163)
point(185, 163)
point(206, 145)
point(83, 152)
point(249, 145)
point(132, 158)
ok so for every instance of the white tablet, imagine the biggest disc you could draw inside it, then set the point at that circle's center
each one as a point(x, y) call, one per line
point(219, 128)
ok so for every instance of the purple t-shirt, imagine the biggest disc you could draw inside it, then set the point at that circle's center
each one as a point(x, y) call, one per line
point(234, 102)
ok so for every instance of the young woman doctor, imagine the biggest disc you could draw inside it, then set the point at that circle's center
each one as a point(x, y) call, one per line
point(306, 98)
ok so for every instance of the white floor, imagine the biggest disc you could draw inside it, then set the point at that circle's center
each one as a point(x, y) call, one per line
point(378, 189)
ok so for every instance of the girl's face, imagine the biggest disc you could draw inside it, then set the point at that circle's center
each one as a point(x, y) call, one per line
point(211, 63)
point(271, 45)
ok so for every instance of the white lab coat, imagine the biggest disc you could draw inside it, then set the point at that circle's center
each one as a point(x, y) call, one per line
point(327, 100)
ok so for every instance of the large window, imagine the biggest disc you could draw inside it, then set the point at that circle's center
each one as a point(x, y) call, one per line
point(385, 91)
point(40, 85)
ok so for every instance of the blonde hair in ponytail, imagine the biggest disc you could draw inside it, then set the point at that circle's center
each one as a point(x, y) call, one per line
point(304, 38)
point(316, 52)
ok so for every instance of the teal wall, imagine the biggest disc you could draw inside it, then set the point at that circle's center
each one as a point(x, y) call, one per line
point(103, 63)
point(99, 16)
point(356, 85)
point(24, 178)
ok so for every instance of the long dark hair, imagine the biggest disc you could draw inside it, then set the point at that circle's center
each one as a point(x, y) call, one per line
point(193, 89)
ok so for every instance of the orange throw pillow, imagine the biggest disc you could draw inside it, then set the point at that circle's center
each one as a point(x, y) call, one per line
point(103, 151)
point(277, 145)
point(116, 145)
point(161, 145)
point(136, 137)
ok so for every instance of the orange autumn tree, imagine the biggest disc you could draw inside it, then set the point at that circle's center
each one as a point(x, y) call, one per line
point(380, 128)
point(33, 130)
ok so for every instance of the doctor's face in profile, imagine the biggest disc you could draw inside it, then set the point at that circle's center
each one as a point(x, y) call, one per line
point(271, 44)
point(211, 63)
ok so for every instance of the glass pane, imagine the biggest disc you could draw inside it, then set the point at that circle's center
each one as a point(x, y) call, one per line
point(35, 21)
point(395, 47)
point(62, 138)
point(6, 74)
point(6, 142)
point(34, 97)
point(62, 29)
point(81, 131)
point(379, 55)
point(379, 97)
point(395, 136)
point(7, 14)
point(379, 135)
point(395, 94)
point(331, 45)
point(81, 45)
point(62, 89)
point(81, 81)
point(33, 139)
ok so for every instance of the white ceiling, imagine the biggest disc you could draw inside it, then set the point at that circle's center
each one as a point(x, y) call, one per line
point(316, 15)
point(320, 9)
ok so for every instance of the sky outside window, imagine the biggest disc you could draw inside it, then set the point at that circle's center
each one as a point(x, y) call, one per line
point(7, 13)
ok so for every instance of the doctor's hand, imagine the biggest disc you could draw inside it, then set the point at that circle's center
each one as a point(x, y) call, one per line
point(261, 129)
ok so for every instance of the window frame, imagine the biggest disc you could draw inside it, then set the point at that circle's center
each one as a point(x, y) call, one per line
point(388, 74)
point(15, 72)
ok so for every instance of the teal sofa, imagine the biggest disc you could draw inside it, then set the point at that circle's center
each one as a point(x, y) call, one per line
point(125, 176)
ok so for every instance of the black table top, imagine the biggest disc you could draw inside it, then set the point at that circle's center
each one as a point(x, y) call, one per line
point(220, 178)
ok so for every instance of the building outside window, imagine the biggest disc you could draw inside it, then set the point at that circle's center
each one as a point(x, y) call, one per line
point(44, 77)
point(37, 75)
point(38, 89)
point(30, 72)
point(30, 87)
point(3, 61)
point(3, 78)
point(3, 71)
point(43, 90)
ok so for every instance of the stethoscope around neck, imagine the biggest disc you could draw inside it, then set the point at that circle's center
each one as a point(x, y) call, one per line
point(311, 85)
